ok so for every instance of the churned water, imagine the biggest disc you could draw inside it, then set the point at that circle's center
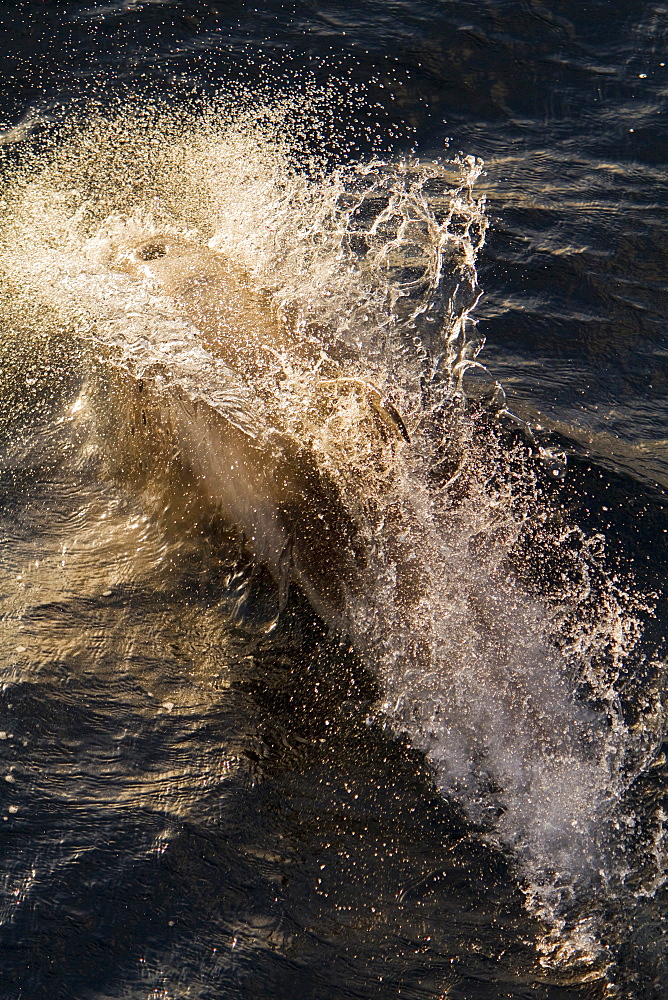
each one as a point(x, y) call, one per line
point(451, 785)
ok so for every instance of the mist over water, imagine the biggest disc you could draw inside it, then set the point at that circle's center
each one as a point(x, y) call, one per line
point(510, 680)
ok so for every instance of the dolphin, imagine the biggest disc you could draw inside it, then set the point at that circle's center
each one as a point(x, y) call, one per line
point(297, 518)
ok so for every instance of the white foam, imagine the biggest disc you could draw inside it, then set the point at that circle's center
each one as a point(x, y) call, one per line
point(481, 672)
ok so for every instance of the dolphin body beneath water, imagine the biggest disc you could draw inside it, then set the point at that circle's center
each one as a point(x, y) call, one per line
point(254, 473)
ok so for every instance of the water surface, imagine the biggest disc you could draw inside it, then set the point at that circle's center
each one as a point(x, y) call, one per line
point(203, 797)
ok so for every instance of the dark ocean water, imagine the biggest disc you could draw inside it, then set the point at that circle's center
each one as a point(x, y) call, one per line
point(199, 802)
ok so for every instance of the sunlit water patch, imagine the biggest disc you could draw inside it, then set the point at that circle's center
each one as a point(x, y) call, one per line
point(435, 501)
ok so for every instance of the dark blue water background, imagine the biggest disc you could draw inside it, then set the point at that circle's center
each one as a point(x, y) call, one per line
point(219, 819)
